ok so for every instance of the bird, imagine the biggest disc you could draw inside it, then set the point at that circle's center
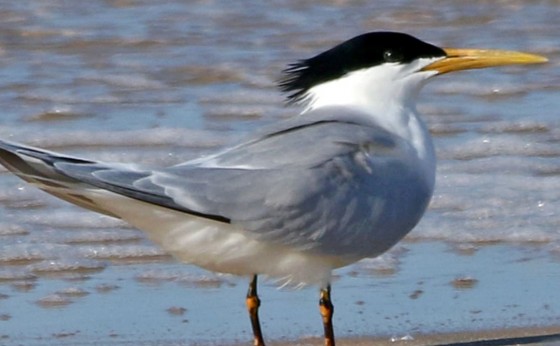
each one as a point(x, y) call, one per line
point(345, 178)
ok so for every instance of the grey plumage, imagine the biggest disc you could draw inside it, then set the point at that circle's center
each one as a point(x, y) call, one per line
point(308, 182)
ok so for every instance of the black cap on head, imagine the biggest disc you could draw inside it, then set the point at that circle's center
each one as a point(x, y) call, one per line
point(363, 51)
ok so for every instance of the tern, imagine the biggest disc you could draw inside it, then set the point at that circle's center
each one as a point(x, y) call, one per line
point(343, 180)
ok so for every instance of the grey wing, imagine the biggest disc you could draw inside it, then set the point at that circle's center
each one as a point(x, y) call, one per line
point(68, 177)
point(293, 184)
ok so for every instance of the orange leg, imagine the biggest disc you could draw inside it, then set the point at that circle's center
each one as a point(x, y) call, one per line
point(327, 310)
point(253, 303)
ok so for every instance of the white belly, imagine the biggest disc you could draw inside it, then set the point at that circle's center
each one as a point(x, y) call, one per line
point(218, 246)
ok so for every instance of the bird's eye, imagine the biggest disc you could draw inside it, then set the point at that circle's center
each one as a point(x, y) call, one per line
point(391, 56)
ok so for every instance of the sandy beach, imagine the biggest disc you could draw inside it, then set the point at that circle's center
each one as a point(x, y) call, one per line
point(539, 336)
point(160, 83)
point(523, 336)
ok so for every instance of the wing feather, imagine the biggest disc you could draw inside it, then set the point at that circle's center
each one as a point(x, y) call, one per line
point(283, 186)
point(300, 182)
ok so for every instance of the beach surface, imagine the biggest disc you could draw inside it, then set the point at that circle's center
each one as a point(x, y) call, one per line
point(160, 83)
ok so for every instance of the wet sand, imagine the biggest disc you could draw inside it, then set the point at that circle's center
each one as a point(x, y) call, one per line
point(158, 83)
point(522, 336)
point(489, 292)
point(541, 336)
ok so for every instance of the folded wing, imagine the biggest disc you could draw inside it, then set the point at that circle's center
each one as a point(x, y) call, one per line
point(283, 185)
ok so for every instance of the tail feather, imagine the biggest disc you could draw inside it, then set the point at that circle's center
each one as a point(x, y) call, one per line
point(36, 166)
point(82, 181)
point(31, 164)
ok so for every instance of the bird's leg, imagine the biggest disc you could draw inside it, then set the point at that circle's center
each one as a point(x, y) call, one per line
point(327, 310)
point(253, 303)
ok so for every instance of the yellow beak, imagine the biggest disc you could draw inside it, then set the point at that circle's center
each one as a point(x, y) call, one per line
point(467, 59)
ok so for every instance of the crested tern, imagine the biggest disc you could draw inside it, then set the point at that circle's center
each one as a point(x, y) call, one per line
point(345, 179)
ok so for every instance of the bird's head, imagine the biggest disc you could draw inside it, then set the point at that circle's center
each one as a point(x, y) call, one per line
point(382, 68)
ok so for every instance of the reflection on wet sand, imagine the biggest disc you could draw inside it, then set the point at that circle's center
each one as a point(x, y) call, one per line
point(159, 83)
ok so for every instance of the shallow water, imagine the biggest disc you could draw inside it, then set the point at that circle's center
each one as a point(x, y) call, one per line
point(159, 83)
